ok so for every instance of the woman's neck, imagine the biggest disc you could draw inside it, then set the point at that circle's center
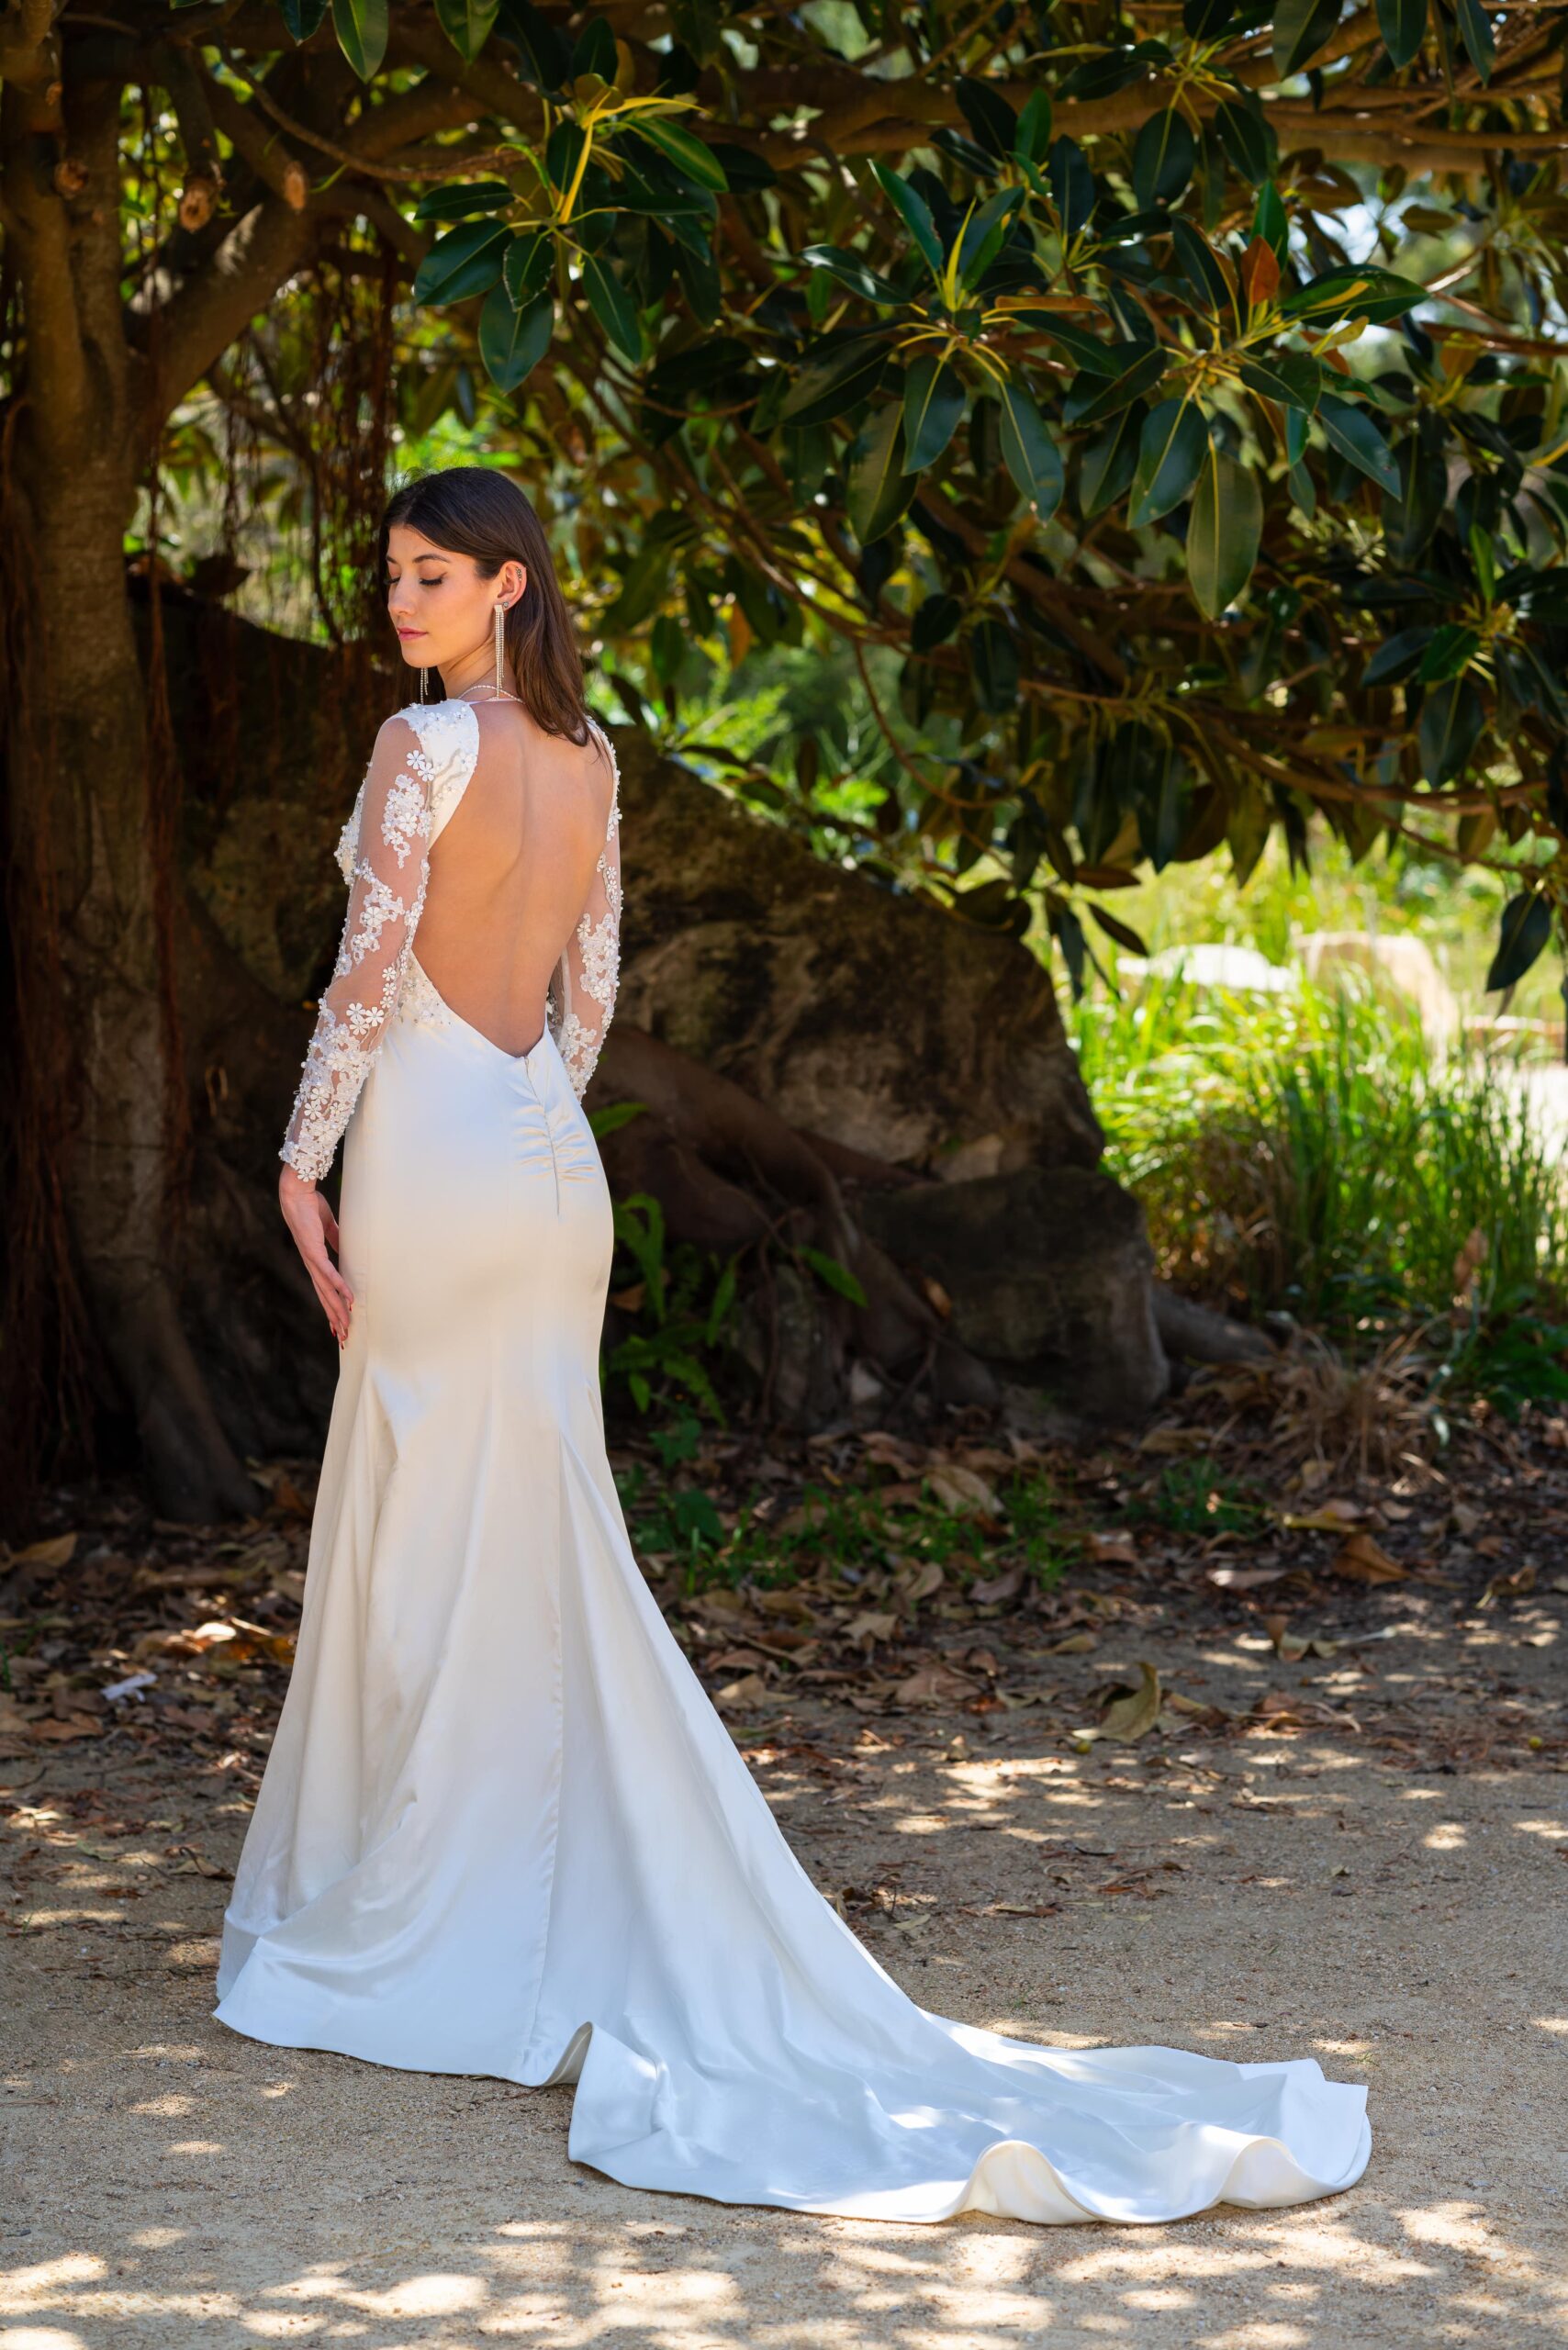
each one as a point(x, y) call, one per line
point(472, 669)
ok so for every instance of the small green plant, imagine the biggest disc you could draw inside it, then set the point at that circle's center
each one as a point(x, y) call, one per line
point(661, 1361)
point(1196, 1496)
point(1040, 1545)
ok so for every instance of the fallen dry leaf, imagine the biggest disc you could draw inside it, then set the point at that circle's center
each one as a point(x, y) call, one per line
point(738, 1697)
point(58, 1552)
point(1111, 1550)
point(935, 1685)
point(992, 1591)
point(1131, 1711)
point(964, 1493)
point(1361, 1560)
point(1246, 1578)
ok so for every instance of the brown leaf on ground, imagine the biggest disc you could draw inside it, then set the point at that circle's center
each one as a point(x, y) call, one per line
point(1131, 1711)
point(1246, 1578)
point(964, 1493)
point(1075, 1644)
point(1361, 1560)
point(738, 1697)
point(935, 1685)
point(1111, 1550)
point(993, 1591)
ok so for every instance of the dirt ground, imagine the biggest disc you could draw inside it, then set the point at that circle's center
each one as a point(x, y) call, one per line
point(1359, 1856)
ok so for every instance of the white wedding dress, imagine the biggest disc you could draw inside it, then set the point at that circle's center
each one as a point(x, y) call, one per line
point(501, 1830)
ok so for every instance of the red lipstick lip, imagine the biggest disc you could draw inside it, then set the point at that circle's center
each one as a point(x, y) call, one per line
point(410, 631)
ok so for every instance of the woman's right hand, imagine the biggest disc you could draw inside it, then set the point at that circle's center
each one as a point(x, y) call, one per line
point(315, 1230)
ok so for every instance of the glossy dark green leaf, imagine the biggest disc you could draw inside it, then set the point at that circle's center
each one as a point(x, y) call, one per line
point(595, 52)
point(993, 664)
point(1475, 32)
point(915, 212)
point(935, 621)
point(525, 270)
point(1247, 138)
point(933, 404)
point(1300, 28)
point(1223, 533)
point(1027, 449)
point(1402, 24)
point(878, 487)
point(1294, 378)
point(1106, 77)
point(852, 271)
point(361, 27)
point(1377, 295)
point(1110, 460)
point(467, 261)
point(546, 51)
point(1123, 933)
point(1451, 721)
point(463, 199)
point(1398, 657)
point(1523, 934)
point(679, 146)
point(513, 341)
point(1200, 265)
point(1204, 19)
point(833, 381)
point(613, 306)
point(1356, 434)
point(1135, 383)
point(1450, 654)
point(1172, 448)
point(987, 231)
point(1163, 157)
point(1034, 134)
point(466, 24)
point(987, 114)
point(1072, 186)
point(303, 16)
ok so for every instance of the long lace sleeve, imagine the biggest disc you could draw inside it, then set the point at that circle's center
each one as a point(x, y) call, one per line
point(384, 853)
point(582, 993)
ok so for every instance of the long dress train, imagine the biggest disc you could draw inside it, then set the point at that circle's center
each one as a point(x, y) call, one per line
point(501, 1830)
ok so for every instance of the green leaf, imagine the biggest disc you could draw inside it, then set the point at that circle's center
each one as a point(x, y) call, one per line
point(513, 341)
point(303, 16)
point(1450, 654)
point(988, 116)
point(1247, 138)
point(837, 1276)
point(933, 404)
point(1398, 657)
point(1223, 533)
point(1272, 222)
point(1072, 186)
point(852, 271)
point(913, 211)
point(613, 306)
point(1522, 934)
point(876, 487)
point(1475, 32)
point(1027, 449)
point(833, 381)
point(1163, 157)
point(1123, 933)
point(1379, 295)
point(1451, 720)
point(993, 663)
point(457, 203)
point(1200, 266)
point(1173, 445)
point(694, 162)
point(985, 235)
point(935, 621)
point(1301, 27)
point(1135, 383)
point(1402, 24)
point(1357, 436)
point(467, 261)
point(361, 27)
point(466, 24)
point(595, 52)
point(1291, 377)
point(1033, 136)
point(1110, 460)
point(525, 270)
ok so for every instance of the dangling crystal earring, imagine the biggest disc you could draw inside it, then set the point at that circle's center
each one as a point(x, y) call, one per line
point(500, 643)
point(424, 685)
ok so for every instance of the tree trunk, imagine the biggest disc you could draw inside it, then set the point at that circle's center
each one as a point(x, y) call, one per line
point(85, 824)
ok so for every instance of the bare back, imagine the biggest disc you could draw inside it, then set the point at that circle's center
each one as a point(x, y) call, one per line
point(510, 873)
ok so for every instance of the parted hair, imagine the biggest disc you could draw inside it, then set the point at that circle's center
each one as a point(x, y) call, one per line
point(476, 511)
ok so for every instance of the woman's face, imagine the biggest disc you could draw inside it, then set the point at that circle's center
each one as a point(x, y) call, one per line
point(443, 611)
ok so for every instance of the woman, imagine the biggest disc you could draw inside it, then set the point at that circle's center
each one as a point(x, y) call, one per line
point(501, 1830)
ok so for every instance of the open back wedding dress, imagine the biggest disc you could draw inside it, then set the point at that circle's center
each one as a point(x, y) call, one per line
point(501, 1830)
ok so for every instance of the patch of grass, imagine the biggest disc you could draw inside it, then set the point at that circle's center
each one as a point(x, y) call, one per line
point(1196, 1496)
point(1304, 1155)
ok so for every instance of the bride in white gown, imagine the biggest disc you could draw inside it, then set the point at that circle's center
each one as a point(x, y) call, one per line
point(501, 1830)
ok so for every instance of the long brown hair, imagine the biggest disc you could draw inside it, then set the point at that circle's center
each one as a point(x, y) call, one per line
point(477, 511)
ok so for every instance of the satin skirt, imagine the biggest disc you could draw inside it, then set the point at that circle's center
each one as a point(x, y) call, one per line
point(502, 1831)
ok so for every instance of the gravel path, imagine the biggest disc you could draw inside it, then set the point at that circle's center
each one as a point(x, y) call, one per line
point(1270, 1892)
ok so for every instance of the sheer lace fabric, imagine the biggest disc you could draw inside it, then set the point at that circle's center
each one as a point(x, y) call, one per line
point(423, 762)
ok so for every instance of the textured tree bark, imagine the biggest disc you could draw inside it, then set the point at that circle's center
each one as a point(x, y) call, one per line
point(83, 867)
